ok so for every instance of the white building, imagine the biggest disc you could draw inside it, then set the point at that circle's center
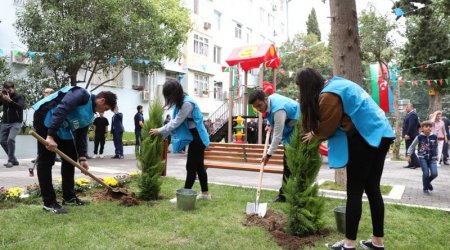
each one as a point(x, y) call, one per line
point(218, 27)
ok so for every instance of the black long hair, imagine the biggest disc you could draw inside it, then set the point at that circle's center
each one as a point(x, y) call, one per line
point(173, 93)
point(310, 82)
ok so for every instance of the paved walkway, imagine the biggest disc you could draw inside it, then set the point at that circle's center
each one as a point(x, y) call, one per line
point(407, 183)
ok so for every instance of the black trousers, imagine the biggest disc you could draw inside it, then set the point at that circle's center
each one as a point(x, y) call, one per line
point(118, 143)
point(445, 152)
point(286, 175)
point(99, 141)
point(46, 160)
point(364, 170)
point(195, 163)
point(414, 159)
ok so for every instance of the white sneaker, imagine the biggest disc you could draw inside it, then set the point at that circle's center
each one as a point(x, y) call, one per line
point(95, 156)
point(204, 196)
point(101, 156)
point(174, 200)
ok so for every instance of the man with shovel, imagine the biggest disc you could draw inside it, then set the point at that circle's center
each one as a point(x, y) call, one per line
point(63, 119)
point(282, 115)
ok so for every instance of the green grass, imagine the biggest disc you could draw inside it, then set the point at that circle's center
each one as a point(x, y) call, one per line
point(215, 224)
point(331, 185)
point(127, 139)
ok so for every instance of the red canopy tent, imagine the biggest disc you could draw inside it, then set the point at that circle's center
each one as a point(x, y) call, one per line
point(252, 56)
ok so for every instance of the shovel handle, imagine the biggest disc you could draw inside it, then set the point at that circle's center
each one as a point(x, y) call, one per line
point(72, 162)
point(261, 170)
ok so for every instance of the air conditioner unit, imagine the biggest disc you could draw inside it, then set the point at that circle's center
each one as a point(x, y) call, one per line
point(145, 95)
point(274, 7)
point(206, 25)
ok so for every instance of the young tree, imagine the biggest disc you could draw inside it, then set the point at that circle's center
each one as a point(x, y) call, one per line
point(312, 26)
point(149, 159)
point(428, 43)
point(102, 35)
point(346, 49)
point(305, 206)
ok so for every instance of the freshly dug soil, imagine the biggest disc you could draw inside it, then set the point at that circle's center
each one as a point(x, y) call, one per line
point(275, 222)
point(126, 198)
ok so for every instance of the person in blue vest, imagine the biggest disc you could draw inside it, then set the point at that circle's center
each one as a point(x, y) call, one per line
point(282, 114)
point(117, 132)
point(186, 128)
point(63, 119)
point(359, 136)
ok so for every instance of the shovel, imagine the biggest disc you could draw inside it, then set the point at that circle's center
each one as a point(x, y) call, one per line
point(257, 208)
point(75, 164)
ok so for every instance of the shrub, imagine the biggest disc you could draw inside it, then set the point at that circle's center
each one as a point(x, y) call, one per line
point(149, 159)
point(305, 207)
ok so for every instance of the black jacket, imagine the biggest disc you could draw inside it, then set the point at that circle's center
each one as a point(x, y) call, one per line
point(13, 110)
point(411, 125)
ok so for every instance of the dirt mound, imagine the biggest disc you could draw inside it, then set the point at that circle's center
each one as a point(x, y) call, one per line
point(126, 198)
point(275, 222)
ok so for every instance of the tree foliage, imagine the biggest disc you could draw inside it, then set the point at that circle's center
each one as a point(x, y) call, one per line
point(428, 41)
point(305, 206)
point(312, 26)
point(86, 34)
point(149, 159)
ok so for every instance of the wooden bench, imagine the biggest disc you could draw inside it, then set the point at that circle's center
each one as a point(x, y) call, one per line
point(245, 157)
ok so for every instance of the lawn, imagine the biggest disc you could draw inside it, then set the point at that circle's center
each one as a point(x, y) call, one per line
point(215, 224)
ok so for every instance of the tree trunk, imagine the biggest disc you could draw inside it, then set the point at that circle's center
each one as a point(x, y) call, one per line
point(346, 50)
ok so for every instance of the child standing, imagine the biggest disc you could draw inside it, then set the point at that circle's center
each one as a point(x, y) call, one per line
point(427, 153)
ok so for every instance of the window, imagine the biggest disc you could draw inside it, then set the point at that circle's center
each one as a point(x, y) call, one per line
point(249, 35)
point(282, 28)
point(262, 14)
point(270, 20)
point(201, 85)
point(217, 17)
point(172, 75)
point(238, 30)
point(218, 94)
point(107, 74)
point(139, 80)
point(217, 54)
point(201, 46)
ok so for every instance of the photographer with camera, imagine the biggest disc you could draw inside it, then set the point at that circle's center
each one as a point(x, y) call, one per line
point(12, 119)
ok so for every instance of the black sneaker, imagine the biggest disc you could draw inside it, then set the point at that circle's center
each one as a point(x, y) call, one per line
point(339, 246)
point(115, 157)
point(75, 202)
point(430, 187)
point(367, 244)
point(55, 208)
point(15, 163)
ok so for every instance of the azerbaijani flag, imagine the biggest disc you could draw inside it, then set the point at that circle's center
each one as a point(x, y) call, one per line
point(381, 92)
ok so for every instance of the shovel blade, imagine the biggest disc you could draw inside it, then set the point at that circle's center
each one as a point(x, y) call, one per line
point(260, 210)
point(250, 209)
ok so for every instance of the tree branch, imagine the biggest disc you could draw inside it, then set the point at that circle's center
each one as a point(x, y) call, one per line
point(112, 79)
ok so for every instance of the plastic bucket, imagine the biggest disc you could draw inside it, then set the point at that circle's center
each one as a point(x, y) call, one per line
point(186, 199)
point(339, 215)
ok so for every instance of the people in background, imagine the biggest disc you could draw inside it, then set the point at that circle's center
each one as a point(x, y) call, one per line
point(12, 120)
point(427, 150)
point(359, 136)
point(100, 133)
point(63, 119)
point(282, 114)
point(138, 125)
point(117, 130)
point(252, 131)
point(410, 130)
point(445, 156)
point(439, 131)
point(186, 128)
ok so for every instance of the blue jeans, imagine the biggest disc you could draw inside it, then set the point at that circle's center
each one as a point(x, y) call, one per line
point(429, 171)
point(8, 139)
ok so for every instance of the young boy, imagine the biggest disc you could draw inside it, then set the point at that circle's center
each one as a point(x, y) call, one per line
point(427, 153)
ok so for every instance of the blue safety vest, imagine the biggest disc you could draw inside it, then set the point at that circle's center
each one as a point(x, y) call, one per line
point(181, 136)
point(369, 120)
point(292, 109)
point(81, 117)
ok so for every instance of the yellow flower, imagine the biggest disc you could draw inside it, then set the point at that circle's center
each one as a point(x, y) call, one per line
point(82, 182)
point(14, 192)
point(110, 181)
point(136, 173)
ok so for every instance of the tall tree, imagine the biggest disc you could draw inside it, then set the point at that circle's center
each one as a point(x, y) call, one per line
point(346, 49)
point(312, 26)
point(377, 47)
point(428, 43)
point(102, 35)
